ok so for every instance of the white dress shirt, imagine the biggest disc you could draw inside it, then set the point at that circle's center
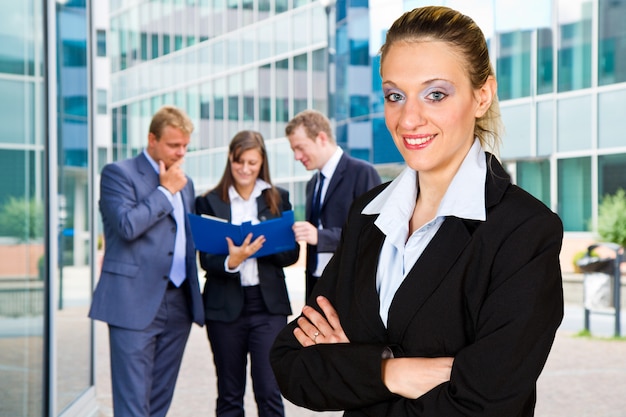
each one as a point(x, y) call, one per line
point(464, 198)
point(242, 210)
point(327, 170)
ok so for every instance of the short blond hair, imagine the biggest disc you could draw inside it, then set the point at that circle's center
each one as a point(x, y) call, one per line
point(313, 123)
point(170, 116)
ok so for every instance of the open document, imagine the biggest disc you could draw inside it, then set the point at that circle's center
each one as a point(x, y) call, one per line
point(209, 234)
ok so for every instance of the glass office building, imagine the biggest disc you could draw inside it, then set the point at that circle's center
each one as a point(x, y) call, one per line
point(253, 64)
point(46, 272)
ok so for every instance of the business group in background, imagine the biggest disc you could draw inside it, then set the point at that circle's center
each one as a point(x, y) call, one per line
point(339, 179)
point(245, 297)
point(148, 291)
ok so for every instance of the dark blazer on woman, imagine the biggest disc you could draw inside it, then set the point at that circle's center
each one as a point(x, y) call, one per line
point(223, 293)
point(487, 293)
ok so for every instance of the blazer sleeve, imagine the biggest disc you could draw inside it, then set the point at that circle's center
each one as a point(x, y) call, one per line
point(130, 217)
point(210, 263)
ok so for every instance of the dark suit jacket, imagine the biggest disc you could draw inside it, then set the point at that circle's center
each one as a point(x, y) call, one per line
point(139, 234)
point(223, 293)
point(351, 178)
point(487, 293)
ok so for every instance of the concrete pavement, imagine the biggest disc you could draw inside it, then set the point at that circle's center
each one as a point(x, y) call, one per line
point(583, 377)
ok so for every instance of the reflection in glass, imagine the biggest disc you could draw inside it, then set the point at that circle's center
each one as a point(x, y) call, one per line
point(545, 61)
point(611, 174)
point(574, 193)
point(73, 327)
point(574, 56)
point(611, 120)
point(611, 42)
point(534, 177)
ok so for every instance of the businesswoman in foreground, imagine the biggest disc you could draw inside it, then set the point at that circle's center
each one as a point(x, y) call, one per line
point(445, 293)
point(245, 298)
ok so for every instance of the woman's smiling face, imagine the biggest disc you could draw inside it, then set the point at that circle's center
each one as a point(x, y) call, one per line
point(430, 105)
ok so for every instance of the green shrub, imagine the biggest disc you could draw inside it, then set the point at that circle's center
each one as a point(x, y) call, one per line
point(612, 218)
point(22, 219)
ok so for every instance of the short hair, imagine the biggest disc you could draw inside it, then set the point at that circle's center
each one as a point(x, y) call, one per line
point(170, 116)
point(313, 123)
point(437, 23)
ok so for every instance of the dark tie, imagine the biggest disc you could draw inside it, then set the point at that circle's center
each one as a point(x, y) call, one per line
point(317, 201)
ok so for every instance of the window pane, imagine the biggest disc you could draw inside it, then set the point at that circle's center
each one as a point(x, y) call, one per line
point(612, 42)
point(513, 64)
point(545, 61)
point(574, 204)
point(534, 177)
point(574, 44)
point(611, 120)
point(574, 124)
point(611, 174)
point(101, 42)
point(545, 127)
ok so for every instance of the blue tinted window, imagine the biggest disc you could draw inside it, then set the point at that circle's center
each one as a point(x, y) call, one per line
point(611, 42)
point(574, 193)
point(545, 61)
point(513, 65)
point(575, 56)
point(359, 52)
point(534, 177)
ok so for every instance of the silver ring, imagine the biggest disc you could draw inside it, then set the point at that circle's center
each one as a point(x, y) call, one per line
point(315, 335)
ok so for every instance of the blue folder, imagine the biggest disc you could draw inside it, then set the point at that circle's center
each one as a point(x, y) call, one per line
point(209, 234)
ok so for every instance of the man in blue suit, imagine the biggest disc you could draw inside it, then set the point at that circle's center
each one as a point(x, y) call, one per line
point(329, 193)
point(148, 291)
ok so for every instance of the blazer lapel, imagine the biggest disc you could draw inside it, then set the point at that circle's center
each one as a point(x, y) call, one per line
point(368, 248)
point(427, 274)
point(337, 177)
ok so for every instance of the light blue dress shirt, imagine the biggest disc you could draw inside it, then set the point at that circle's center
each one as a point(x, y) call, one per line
point(464, 198)
point(178, 270)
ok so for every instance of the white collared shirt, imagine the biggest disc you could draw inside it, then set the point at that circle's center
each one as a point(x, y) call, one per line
point(241, 211)
point(464, 198)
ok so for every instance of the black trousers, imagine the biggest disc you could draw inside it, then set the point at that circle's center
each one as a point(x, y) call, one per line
point(253, 332)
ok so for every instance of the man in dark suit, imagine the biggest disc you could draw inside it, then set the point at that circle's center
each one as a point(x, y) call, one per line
point(148, 291)
point(329, 193)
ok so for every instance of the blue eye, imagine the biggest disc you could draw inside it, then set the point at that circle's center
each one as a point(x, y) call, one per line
point(394, 97)
point(437, 95)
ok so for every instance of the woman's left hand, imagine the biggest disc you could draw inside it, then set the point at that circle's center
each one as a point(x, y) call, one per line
point(313, 328)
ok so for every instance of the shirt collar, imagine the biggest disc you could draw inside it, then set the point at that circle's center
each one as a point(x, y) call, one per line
point(259, 187)
point(331, 165)
point(154, 164)
point(464, 198)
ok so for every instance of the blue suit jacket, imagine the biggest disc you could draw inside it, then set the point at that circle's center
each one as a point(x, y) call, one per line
point(139, 234)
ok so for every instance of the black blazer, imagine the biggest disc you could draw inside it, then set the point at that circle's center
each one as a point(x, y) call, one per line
point(352, 178)
point(487, 293)
point(223, 293)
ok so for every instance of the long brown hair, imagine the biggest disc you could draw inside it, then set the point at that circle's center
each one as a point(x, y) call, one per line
point(437, 23)
point(243, 141)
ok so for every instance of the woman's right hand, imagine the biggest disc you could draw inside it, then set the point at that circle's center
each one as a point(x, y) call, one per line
point(414, 377)
point(238, 254)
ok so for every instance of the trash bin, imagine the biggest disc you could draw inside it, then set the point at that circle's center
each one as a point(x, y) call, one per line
point(601, 283)
point(597, 282)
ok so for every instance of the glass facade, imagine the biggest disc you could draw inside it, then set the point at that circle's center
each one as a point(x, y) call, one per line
point(254, 64)
point(46, 352)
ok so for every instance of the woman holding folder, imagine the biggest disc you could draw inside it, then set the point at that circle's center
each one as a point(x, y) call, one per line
point(245, 297)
